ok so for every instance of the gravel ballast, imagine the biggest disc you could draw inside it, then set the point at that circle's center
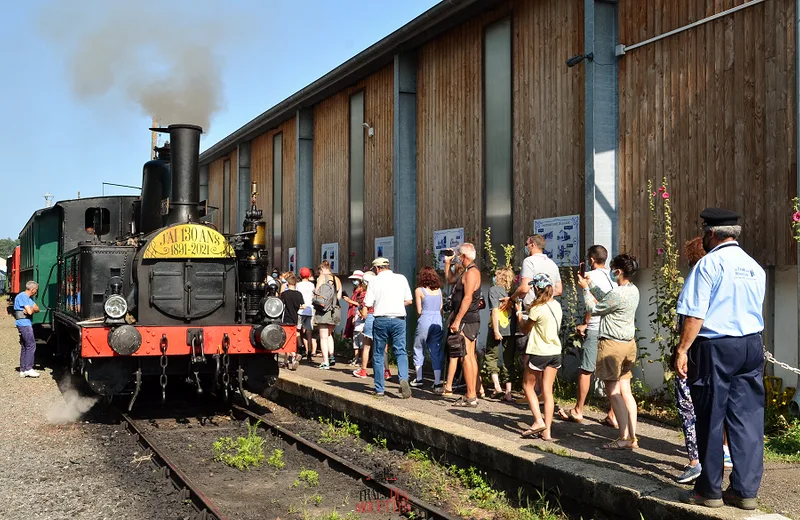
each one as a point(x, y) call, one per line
point(51, 468)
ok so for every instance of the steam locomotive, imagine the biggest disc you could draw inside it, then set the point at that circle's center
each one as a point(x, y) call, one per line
point(137, 289)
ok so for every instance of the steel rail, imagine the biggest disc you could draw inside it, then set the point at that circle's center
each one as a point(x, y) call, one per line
point(420, 508)
point(186, 488)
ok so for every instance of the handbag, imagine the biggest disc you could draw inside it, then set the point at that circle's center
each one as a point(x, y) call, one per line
point(456, 345)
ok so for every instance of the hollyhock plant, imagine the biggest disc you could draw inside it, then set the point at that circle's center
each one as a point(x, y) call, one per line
point(665, 195)
point(796, 220)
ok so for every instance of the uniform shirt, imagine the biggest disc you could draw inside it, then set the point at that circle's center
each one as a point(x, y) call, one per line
point(726, 290)
point(600, 278)
point(387, 293)
point(543, 338)
point(306, 288)
point(496, 292)
point(21, 300)
point(535, 264)
point(617, 311)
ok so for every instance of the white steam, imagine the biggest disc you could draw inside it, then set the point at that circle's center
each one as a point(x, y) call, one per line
point(163, 56)
point(72, 407)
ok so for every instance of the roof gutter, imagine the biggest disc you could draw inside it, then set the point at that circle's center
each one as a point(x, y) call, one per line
point(436, 20)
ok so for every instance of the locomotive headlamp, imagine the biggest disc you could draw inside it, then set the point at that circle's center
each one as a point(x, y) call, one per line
point(273, 307)
point(115, 306)
point(272, 337)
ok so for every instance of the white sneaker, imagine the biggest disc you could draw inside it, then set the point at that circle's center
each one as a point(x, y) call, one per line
point(31, 373)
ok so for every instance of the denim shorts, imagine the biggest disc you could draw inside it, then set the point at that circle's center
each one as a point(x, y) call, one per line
point(368, 326)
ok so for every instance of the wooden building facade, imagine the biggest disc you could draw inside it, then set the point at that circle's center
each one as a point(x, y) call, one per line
point(710, 108)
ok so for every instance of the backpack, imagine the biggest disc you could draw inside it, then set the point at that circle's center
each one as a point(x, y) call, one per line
point(324, 297)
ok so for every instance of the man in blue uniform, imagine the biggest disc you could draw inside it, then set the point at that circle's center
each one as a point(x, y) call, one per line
point(721, 350)
point(24, 308)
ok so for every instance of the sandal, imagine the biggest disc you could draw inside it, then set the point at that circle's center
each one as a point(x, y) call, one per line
point(569, 415)
point(532, 433)
point(611, 424)
point(443, 391)
point(497, 395)
point(615, 445)
point(466, 403)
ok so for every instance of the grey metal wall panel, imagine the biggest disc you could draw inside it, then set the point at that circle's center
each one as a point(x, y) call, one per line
point(497, 111)
point(357, 180)
point(277, 199)
point(226, 196)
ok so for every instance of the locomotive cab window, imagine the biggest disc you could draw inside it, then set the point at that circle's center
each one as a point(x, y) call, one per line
point(97, 221)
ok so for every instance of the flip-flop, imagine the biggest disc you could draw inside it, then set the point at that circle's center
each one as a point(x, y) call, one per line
point(532, 433)
point(569, 416)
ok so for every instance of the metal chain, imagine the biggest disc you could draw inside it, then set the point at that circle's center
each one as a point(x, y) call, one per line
point(164, 361)
point(769, 357)
point(226, 378)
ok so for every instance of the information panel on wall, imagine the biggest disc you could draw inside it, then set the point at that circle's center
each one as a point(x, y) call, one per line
point(563, 238)
point(330, 252)
point(384, 247)
point(293, 259)
point(445, 239)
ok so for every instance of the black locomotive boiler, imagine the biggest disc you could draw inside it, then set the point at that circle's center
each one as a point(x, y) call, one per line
point(166, 296)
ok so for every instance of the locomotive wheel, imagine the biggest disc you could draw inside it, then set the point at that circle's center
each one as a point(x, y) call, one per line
point(107, 377)
point(261, 372)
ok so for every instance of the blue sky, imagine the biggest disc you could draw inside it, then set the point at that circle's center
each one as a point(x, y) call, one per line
point(52, 140)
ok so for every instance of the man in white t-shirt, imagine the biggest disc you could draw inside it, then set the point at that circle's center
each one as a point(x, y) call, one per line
point(536, 263)
point(598, 273)
point(389, 294)
point(306, 288)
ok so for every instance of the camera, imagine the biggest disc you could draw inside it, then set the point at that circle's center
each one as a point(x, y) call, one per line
point(447, 252)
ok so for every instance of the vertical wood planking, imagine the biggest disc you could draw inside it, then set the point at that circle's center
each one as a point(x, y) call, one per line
point(289, 199)
point(724, 92)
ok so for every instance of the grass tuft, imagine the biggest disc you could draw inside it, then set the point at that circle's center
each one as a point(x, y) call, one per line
point(244, 452)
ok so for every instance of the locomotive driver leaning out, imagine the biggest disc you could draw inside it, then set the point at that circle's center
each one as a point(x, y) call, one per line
point(24, 308)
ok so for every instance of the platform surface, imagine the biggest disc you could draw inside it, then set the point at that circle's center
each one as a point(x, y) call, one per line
point(574, 462)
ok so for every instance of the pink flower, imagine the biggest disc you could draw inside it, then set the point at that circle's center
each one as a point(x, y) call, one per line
point(662, 189)
point(665, 195)
point(655, 194)
point(427, 251)
point(660, 251)
point(796, 216)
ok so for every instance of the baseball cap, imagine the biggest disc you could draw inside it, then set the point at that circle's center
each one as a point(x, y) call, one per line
point(380, 262)
point(357, 275)
point(305, 272)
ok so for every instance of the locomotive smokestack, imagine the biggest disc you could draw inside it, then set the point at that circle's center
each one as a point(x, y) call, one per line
point(184, 158)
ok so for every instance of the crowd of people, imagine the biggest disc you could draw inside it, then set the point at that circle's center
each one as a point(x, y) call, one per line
point(719, 387)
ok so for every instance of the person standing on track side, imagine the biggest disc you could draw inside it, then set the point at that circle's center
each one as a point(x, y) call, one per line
point(389, 294)
point(292, 301)
point(24, 308)
point(306, 288)
point(721, 355)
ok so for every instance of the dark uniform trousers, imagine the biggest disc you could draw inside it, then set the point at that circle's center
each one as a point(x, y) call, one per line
point(727, 385)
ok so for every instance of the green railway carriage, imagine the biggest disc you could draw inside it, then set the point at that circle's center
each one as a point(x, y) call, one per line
point(51, 232)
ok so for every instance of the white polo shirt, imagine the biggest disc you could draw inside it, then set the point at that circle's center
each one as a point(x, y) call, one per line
point(535, 264)
point(387, 294)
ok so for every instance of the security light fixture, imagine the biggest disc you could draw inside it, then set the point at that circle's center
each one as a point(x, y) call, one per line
point(579, 58)
point(370, 130)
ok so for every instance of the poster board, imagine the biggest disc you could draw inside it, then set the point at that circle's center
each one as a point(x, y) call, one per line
point(384, 247)
point(330, 252)
point(445, 239)
point(293, 259)
point(563, 238)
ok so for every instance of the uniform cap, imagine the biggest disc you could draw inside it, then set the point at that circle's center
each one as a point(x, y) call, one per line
point(719, 217)
point(357, 275)
point(305, 272)
point(380, 262)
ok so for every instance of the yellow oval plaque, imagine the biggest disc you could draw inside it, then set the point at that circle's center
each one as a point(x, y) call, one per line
point(189, 241)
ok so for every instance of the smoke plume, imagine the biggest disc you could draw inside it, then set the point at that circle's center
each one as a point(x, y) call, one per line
point(73, 406)
point(163, 56)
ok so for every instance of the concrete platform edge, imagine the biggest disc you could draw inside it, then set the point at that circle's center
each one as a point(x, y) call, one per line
point(614, 492)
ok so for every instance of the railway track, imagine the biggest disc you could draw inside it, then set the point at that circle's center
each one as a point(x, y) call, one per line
point(386, 498)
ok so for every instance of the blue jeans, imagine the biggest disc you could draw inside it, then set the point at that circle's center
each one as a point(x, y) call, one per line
point(383, 329)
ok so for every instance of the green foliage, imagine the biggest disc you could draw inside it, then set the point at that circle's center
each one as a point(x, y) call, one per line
point(572, 313)
point(480, 491)
point(508, 253)
point(417, 455)
point(242, 453)
point(338, 430)
point(491, 256)
point(7, 246)
point(310, 477)
point(380, 442)
point(317, 499)
point(667, 279)
point(795, 219)
point(276, 459)
point(785, 446)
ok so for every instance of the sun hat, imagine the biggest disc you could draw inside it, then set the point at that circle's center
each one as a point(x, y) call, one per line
point(357, 275)
point(380, 262)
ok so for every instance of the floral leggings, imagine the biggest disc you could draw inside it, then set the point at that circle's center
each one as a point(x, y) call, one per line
point(686, 412)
